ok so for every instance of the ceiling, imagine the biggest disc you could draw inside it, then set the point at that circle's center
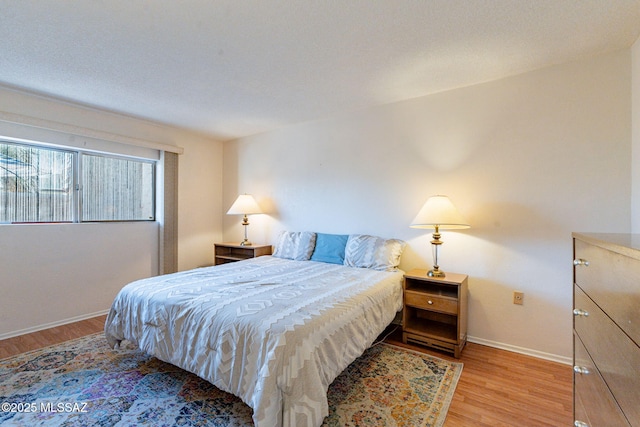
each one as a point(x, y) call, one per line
point(230, 68)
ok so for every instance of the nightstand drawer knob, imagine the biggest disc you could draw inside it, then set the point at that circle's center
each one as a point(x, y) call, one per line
point(430, 302)
point(580, 312)
point(581, 370)
point(580, 424)
point(581, 261)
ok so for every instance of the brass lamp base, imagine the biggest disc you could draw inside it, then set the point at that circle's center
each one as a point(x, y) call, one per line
point(435, 244)
point(435, 273)
point(245, 223)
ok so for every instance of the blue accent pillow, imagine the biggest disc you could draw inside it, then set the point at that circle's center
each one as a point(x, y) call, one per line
point(330, 248)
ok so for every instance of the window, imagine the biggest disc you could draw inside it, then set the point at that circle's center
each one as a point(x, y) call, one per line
point(37, 185)
point(115, 189)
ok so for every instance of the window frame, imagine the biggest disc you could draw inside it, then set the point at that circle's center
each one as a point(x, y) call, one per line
point(77, 184)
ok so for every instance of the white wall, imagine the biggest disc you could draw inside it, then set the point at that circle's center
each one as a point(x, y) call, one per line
point(51, 274)
point(635, 135)
point(527, 160)
point(200, 207)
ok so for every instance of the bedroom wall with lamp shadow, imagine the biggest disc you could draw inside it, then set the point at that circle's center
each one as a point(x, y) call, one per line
point(527, 160)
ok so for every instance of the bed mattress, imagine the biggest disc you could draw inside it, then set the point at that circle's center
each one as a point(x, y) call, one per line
point(272, 331)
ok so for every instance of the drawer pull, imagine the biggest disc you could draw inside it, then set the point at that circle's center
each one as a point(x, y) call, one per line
point(580, 312)
point(577, 423)
point(430, 302)
point(581, 261)
point(581, 370)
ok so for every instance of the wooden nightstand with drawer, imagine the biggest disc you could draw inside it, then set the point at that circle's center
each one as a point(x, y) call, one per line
point(232, 252)
point(435, 311)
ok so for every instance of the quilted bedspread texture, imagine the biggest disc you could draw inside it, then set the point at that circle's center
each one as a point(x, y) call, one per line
point(272, 331)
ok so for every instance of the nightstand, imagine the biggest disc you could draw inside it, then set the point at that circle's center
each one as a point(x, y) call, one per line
point(232, 252)
point(435, 311)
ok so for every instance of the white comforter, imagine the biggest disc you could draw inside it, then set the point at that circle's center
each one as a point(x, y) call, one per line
point(274, 332)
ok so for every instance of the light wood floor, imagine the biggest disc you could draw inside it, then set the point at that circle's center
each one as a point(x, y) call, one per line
point(502, 388)
point(496, 388)
point(47, 337)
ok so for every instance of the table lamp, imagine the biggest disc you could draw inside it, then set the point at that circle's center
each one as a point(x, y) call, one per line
point(245, 205)
point(438, 213)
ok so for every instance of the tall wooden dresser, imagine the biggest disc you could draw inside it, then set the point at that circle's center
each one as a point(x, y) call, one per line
point(606, 329)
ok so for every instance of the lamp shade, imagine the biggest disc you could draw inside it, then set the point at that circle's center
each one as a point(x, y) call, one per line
point(245, 204)
point(439, 211)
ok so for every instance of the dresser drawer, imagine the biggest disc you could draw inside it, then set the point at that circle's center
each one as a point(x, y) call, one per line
point(612, 280)
point(431, 302)
point(593, 402)
point(615, 355)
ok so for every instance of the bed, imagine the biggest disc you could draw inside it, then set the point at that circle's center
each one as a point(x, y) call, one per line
point(274, 330)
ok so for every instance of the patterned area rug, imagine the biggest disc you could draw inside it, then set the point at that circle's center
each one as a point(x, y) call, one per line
point(85, 383)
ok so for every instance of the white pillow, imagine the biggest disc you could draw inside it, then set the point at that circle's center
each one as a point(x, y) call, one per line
point(296, 245)
point(373, 252)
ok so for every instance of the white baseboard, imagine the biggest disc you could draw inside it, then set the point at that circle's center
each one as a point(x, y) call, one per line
point(52, 324)
point(526, 351)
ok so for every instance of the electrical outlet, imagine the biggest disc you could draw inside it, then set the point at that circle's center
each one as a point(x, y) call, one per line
point(518, 297)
